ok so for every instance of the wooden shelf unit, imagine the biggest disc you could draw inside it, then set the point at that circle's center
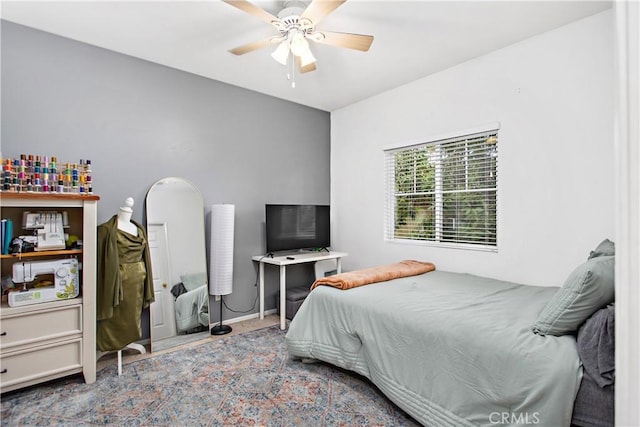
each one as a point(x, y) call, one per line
point(49, 340)
point(42, 254)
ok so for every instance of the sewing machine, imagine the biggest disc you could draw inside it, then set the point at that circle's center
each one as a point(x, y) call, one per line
point(49, 228)
point(44, 281)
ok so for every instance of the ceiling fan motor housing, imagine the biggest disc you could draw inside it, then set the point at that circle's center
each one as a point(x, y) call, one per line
point(290, 4)
point(290, 16)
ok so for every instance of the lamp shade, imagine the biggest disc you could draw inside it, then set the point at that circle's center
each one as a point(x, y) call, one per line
point(281, 53)
point(307, 58)
point(299, 45)
point(221, 265)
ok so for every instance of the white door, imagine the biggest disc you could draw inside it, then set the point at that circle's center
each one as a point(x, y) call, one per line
point(162, 314)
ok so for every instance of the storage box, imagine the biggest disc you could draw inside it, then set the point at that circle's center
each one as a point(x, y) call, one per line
point(294, 299)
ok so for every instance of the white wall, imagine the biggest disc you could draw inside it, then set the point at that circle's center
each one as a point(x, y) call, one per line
point(553, 96)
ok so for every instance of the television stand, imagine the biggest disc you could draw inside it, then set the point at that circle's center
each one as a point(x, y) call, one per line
point(283, 261)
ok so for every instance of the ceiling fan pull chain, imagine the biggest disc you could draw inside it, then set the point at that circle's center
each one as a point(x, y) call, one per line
point(293, 71)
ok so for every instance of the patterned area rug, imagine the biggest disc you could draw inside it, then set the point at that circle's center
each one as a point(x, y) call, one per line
point(241, 380)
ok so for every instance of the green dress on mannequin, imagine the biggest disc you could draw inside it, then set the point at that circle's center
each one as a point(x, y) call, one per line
point(124, 285)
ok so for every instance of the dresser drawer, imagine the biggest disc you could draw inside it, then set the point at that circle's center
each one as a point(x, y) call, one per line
point(33, 327)
point(39, 362)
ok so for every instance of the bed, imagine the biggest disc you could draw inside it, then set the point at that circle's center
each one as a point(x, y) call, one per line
point(192, 310)
point(191, 305)
point(456, 349)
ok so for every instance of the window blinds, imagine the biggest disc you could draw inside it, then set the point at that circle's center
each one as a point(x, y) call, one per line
point(444, 191)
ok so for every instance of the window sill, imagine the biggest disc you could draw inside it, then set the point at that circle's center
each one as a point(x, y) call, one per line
point(463, 246)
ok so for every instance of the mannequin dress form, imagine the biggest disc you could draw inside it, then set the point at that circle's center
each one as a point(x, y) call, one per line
point(126, 292)
point(124, 218)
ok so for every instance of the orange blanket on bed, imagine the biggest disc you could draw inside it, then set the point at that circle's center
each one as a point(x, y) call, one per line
point(382, 273)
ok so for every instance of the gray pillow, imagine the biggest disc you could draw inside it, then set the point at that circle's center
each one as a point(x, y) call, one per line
point(587, 289)
point(194, 281)
point(605, 248)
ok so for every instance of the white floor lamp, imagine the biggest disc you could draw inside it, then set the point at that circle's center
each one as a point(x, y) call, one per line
point(221, 265)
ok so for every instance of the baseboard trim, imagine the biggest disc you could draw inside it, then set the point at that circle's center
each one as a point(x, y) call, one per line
point(147, 341)
point(248, 317)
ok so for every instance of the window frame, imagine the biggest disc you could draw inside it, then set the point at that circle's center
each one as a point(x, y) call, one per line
point(389, 230)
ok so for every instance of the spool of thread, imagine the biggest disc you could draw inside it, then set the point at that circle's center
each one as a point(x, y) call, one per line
point(36, 173)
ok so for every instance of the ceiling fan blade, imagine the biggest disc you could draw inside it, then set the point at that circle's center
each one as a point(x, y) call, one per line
point(307, 68)
point(252, 9)
point(318, 9)
point(250, 47)
point(350, 41)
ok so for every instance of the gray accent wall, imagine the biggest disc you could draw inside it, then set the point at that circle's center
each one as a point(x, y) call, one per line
point(138, 122)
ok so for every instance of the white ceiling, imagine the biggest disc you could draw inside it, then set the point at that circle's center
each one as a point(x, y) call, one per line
point(412, 38)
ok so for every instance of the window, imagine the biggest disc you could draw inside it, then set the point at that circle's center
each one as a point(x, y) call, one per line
point(444, 192)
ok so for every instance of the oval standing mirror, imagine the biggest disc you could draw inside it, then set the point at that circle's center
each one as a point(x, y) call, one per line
point(176, 234)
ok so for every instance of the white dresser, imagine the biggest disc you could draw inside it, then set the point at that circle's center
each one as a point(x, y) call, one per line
point(43, 341)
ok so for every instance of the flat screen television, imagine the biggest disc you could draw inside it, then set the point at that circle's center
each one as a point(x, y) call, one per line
point(297, 227)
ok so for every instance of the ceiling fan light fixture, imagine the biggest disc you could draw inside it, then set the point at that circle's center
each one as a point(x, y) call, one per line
point(307, 58)
point(281, 54)
point(296, 24)
point(299, 44)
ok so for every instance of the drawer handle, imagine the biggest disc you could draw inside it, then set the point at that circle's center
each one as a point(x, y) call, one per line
point(2, 334)
point(4, 371)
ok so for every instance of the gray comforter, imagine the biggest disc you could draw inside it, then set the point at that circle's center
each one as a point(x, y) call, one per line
point(450, 349)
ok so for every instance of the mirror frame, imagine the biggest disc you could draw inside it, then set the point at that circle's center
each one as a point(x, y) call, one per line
point(175, 233)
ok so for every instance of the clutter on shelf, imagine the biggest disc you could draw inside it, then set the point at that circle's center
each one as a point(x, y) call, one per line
point(42, 174)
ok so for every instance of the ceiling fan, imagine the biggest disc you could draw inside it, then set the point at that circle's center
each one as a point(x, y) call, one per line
point(296, 24)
